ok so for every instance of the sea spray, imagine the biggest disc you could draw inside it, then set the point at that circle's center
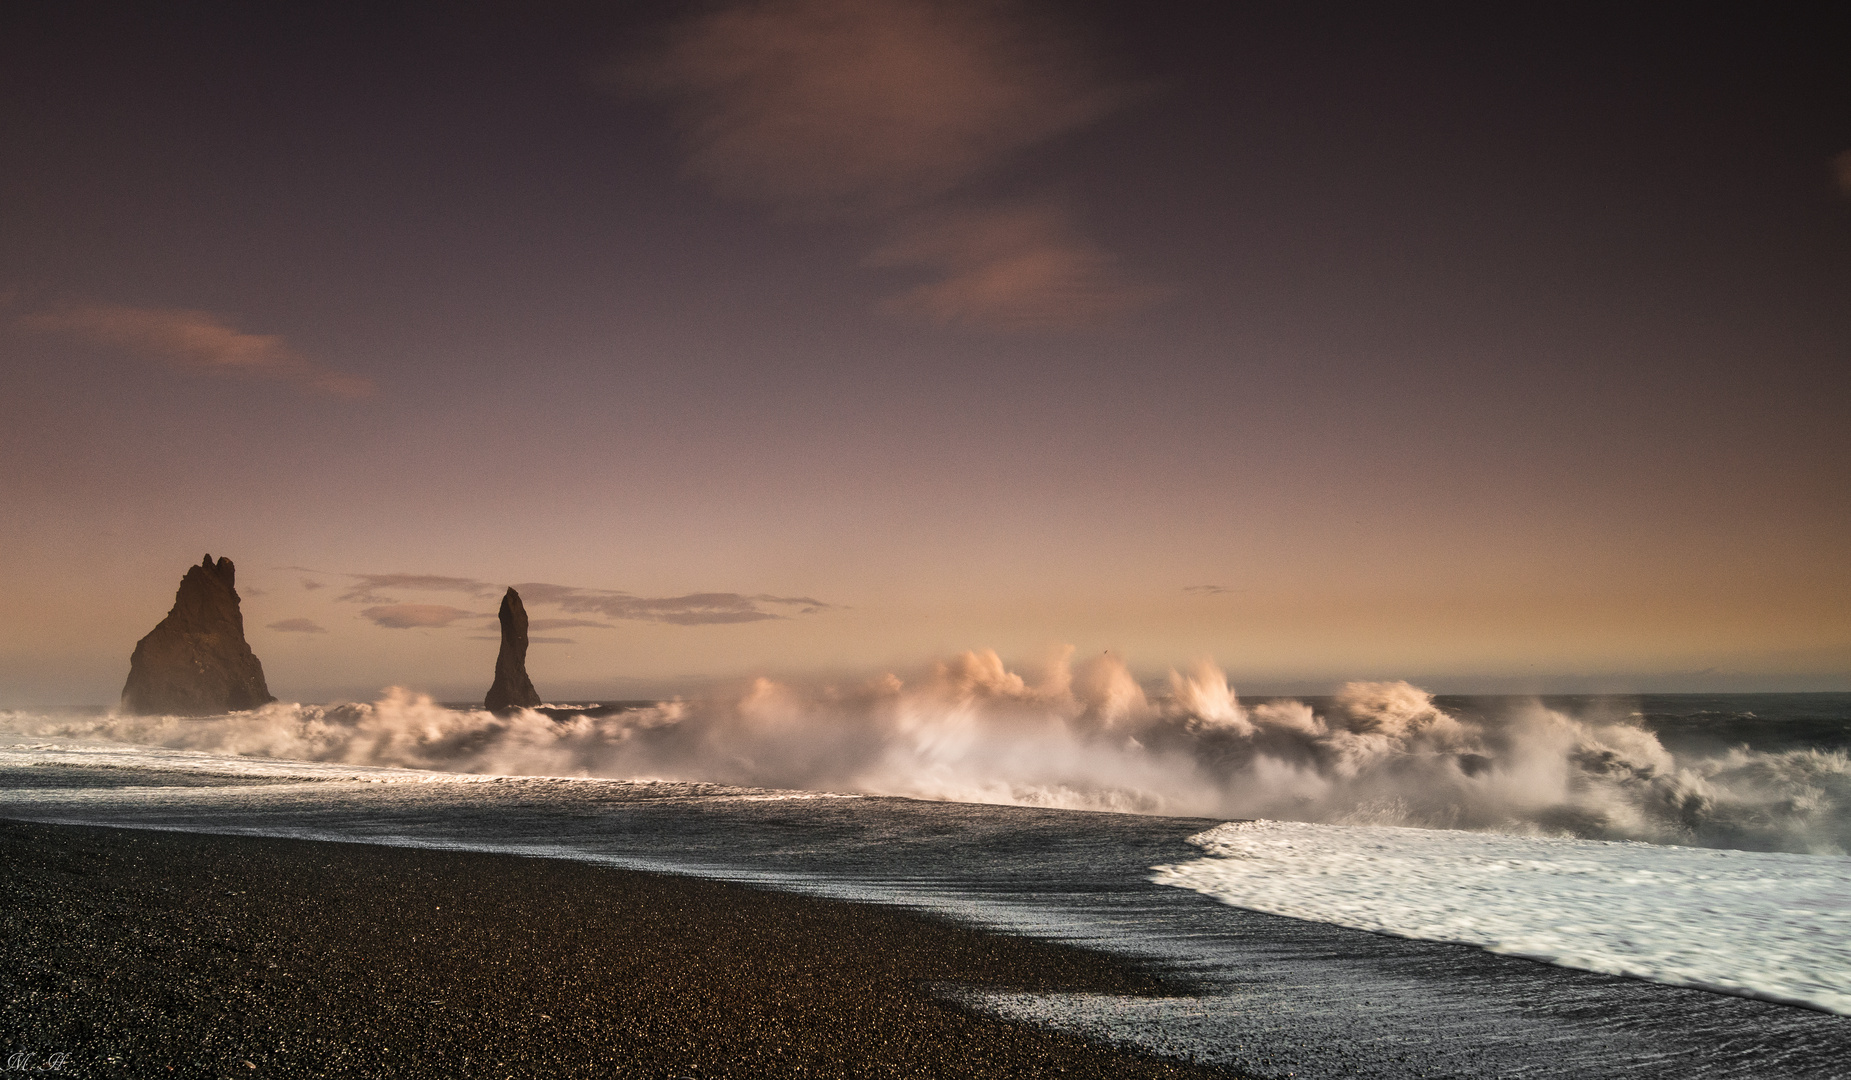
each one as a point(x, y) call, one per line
point(1087, 736)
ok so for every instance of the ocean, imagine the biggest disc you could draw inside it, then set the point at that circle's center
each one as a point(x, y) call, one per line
point(1378, 883)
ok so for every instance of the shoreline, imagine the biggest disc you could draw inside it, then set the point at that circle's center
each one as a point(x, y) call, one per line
point(133, 952)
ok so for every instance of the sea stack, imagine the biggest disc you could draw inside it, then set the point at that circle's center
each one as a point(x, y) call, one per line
point(196, 662)
point(513, 689)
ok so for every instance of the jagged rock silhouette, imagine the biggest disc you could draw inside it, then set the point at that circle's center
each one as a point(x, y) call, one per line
point(196, 662)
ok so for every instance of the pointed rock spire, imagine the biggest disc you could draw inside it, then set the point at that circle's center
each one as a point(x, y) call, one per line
point(196, 662)
point(513, 689)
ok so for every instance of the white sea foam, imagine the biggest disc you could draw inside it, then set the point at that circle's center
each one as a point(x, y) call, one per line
point(1760, 924)
point(155, 769)
point(160, 759)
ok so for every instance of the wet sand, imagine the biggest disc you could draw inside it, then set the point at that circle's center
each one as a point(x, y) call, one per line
point(137, 953)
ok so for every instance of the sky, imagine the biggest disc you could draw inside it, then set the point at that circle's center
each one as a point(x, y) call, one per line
point(1500, 348)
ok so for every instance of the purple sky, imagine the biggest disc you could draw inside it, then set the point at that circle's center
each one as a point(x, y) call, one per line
point(1492, 348)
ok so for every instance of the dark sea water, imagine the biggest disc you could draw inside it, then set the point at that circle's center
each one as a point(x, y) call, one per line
point(1342, 943)
point(1770, 723)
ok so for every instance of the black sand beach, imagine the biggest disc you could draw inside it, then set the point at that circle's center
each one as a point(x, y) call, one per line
point(135, 953)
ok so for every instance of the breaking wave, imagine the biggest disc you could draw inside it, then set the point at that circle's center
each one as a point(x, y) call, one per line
point(1087, 736)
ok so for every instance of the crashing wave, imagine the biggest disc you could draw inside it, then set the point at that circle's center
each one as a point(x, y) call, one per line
point(1087, 736)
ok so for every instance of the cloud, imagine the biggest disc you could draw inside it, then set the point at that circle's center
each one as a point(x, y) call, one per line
point(368, 589)
point(880, 110)
point(694, 609)
point(850, 105)
point(415, 616)
point(1018, 268)
point(530, 641)
point(566, 624)
point(1841, 171)
point(1207, 590)
point(195, 342)
point(297, 626)
point(311, 584)
point(805, 605)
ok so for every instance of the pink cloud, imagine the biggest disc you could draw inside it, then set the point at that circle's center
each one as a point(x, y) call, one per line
point(881, 110)
point(1020, 268)
point(195, 342)
point(832, 105)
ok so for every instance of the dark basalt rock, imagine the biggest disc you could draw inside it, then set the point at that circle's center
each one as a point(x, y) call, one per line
point(196, 662)
point(513, 689)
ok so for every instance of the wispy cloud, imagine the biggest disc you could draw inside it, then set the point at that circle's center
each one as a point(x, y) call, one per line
point(805, 605)
point(311, 584)
point(196, 342)
point(298, 626)
point(1019, 268)
point(371, 588)
point(693, 609)
point(844, 105)
point(1207, 590)
point(878, 110)
point(566, 624)
point(415, 616)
